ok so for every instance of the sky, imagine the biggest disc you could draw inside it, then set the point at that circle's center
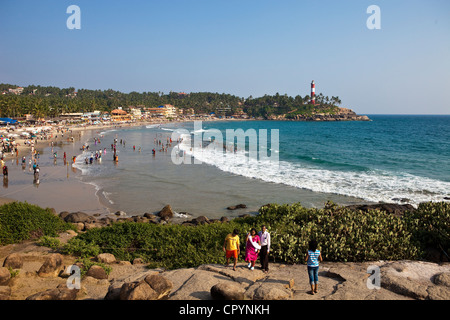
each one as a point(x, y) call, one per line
point(245, 48)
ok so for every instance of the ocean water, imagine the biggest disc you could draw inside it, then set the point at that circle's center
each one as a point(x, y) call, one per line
point(398, 159)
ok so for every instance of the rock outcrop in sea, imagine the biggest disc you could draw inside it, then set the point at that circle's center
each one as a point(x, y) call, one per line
point(343, 114)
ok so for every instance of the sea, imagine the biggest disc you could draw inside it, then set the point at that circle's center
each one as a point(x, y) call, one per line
point(392, 158)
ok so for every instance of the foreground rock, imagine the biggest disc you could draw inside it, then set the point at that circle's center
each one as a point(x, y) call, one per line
point(60, 293)
point(106, 258)
point(52, 266)
point(14, 261)
point(417, 280)
point(152, 287)
point(166, 213)
point(97, 272)
point(227, 291)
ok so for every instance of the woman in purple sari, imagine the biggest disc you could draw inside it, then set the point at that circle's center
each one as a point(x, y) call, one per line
point(252, 247)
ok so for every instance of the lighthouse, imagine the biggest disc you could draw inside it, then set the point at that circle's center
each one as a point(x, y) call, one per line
point(313, 93)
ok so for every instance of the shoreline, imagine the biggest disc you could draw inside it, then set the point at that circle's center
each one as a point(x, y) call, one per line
point(92, 193)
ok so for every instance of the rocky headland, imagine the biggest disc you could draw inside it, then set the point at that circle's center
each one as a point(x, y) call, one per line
point(343, 114)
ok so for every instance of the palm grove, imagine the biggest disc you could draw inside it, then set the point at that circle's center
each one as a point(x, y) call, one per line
point(44, 102)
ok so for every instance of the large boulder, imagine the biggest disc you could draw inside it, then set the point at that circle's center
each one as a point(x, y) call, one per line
point(14, 261)
point(138, 290)
point(77, 217)
point(239, 206)
point(152, 287)
point(106, 258)
point(97, 272)
point(60, 293)
point(197, 221)
point(227, 291)
point(443, 279)
point(271, 291)
point(52, 266)
point(166, 213)
point(415, 279)
point(5, 275)
point(160, 284)
point(63, 214)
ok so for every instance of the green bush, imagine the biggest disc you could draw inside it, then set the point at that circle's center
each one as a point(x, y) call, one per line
point(81, 248)
point(49, 242)
point(343, 235)
point(169, 246)
point(22, 221)
point(430, 226)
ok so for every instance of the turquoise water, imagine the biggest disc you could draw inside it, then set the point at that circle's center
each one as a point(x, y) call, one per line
point(391, 159)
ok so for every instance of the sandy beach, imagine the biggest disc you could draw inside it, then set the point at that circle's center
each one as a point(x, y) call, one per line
point(59, 185)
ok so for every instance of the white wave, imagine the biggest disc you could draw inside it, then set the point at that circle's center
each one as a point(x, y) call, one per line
point(166, 129)
point(107, 196)
point(180, 215)
point(199, 131)
point(150, 126)
point(374, 186)
point(107, 131)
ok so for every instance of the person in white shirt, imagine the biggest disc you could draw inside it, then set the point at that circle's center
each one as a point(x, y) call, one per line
point(264, 236)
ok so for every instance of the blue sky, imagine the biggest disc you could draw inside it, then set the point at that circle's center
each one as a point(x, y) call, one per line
point(245, 47)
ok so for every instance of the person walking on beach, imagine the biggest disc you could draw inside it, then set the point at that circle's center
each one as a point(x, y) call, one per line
point(264, 237)
point(313, 257)
point(36, 173)
point(252, 247)
point(231, 247)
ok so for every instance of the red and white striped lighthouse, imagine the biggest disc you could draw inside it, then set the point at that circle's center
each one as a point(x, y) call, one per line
point(313, 93)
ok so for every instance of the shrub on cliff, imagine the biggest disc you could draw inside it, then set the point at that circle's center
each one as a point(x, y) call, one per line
point(430, 226)
point(169, 246)
point(22, 221)
point(343, 235)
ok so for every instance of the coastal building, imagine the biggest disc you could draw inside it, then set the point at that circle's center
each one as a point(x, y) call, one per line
point(167, 110)
point(136, 113)
point(71, 116)
point(16, 91)
point(91, 116)
point(120, 115)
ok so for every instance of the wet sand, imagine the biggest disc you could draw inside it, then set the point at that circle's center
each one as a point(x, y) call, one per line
point(60, 186)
